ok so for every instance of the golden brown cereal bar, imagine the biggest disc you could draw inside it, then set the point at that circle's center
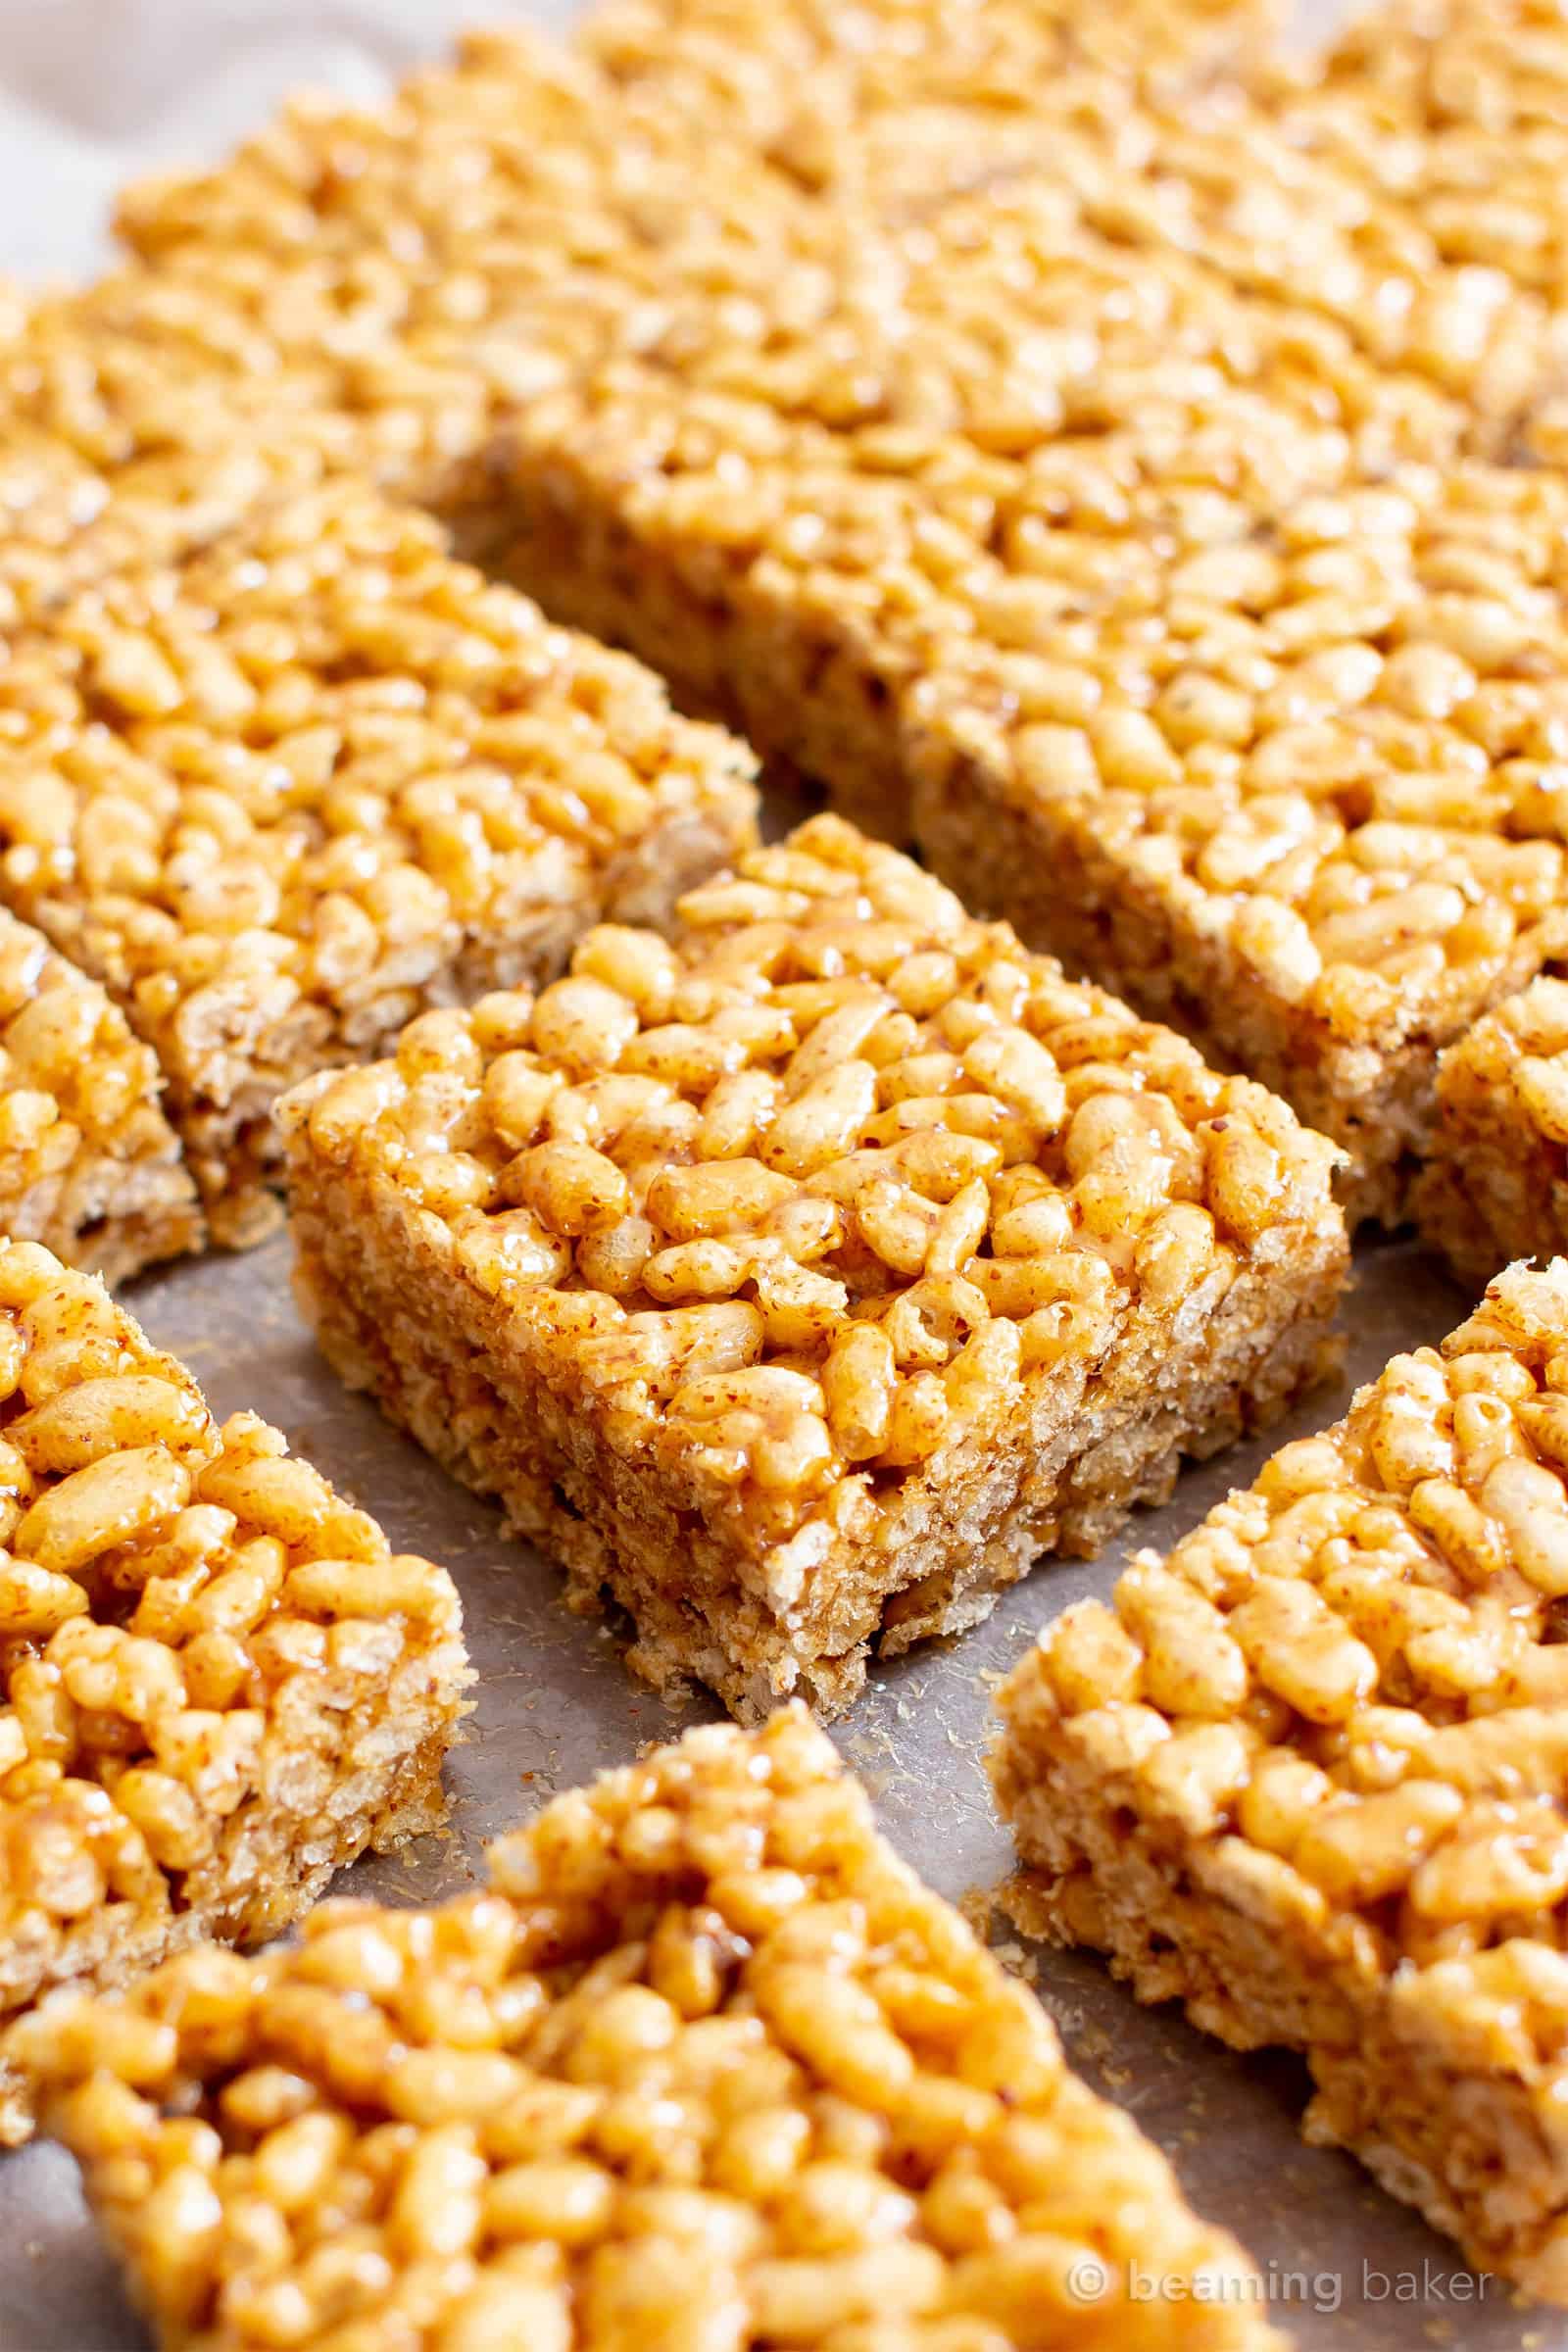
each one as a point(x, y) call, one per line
point(369, 289)
point(1258, 738)
point(801, 538)
point(799, 1283)
point(1497, 1185)
point(88, 1163)
point(283, 796)
point(1307, 1776)
point(891, 110)
point(428, 266)
point(332, 309)
point(1294, 791)
point(219, 1682)
point(425, 265)
point(703, 2064)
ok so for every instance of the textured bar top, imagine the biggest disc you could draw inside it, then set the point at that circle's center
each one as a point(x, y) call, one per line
point(1308, 1775)
point(703, 2064)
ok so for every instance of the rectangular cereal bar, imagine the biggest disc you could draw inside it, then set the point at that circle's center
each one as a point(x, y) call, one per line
point(1251, 727)
point(420, 267)
point(282, 796)
point(798, 518)
point(889, 112)
point(702, 2065)
point(797, 1284)
point(1310, 1776)
point(219, 1682)
point(428, 265)
point(1294, 791)
point(88, 1163)
point(140, 417)
point(1496, 1185)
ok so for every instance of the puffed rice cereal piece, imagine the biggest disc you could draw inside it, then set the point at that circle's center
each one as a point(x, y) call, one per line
point(703, 2064)
point(1310, 1776)
point(797, 1284)
point(217, 1683)
point(283, 795)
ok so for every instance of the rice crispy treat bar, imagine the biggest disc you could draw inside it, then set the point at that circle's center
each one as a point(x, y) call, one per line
point(1271, 758)
point(1496, 1187)
point(369, 289)
point(1295, 792)
point(322, 290)
point(1306, 1776)
point(218, 1682)
point(444, 258)
point(283, 796)
point(793, 525)
point(139, 419)
point(88, 1163)
point(704, 2063)
point(509, 220)
point(797, 1284)
point(892, 111)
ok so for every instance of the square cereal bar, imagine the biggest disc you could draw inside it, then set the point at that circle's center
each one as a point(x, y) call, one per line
point(430, 263)
point(219, 1683)
point(1310, 1776)
point(703, 2064)
point(1496, 1187)
point(506, 220)
point(1295, 790)
point(822, 519)
point(140, 417)
point(1257, 735)
point(282, 796)
point(88, 1163)
point(799, 1283)
point(890, 111)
